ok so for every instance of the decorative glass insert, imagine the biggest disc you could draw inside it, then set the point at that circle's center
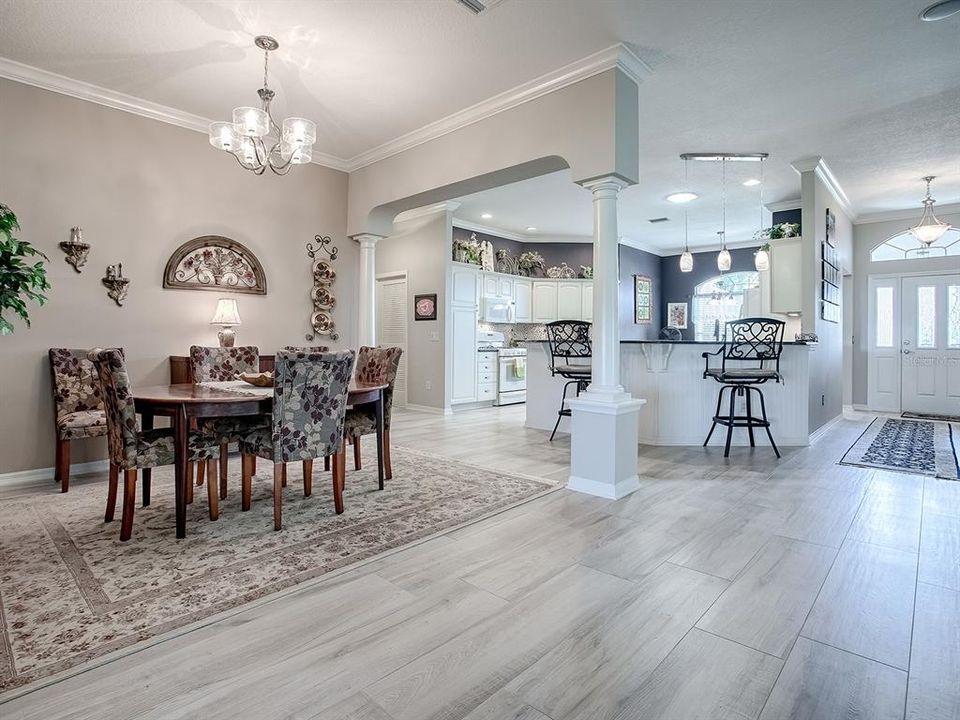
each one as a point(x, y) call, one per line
point(906, 247)
point(953, 316)
point(927, 316)
point(884, 338)
point(718, 300)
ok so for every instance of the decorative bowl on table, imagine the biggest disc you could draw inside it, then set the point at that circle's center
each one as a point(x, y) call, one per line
point(263, 379)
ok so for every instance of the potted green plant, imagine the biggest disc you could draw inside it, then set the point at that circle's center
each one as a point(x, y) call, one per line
point(20, 281)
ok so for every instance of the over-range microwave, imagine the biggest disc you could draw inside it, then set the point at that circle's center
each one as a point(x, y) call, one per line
point(497, 309)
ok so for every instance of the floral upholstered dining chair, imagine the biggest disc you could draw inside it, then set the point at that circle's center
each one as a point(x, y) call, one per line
point(132, 449)
point(374, 365)
point(78, 405)
point(309, 404)
point(220, 364)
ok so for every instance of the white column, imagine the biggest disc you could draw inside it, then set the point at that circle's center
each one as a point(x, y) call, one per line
point(605, 420)
point(367, 317)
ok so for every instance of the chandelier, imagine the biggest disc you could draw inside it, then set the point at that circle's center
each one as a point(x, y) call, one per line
point(255, 139)
point(929, 229)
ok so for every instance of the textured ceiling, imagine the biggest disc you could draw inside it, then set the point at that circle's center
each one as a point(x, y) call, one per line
point(862, 83)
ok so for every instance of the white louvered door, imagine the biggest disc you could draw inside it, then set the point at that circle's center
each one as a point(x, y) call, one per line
point(392, 326)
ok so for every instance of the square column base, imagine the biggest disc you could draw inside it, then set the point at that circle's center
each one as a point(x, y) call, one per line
point(603, 446)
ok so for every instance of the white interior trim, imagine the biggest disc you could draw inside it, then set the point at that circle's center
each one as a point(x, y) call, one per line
point(823, 429)
point(29, 477)
point(489, 230)
point(427, 210)
point(794, 204)
point(819, 166)
point(906, 214)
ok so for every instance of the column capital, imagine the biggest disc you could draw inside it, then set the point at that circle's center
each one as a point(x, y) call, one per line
point(367, 240)
point(608, 185)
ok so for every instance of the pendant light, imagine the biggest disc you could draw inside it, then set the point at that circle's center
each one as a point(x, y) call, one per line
point(929, 229)
point(686, 259)
point(723, 259)
point(761, 260)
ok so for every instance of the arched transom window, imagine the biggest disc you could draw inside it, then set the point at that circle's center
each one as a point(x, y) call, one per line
point(906, 247)
point(719, 300)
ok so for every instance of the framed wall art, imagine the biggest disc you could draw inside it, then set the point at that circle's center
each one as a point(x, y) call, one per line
point(677, 315)
point(425, 307)
point(214, 262)
point(643, 300)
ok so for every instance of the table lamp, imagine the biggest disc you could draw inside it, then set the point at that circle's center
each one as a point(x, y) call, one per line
point(227, 314)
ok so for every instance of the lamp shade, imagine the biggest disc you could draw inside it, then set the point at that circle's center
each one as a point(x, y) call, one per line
point(686, 262)
point(227, 312)
point(761, 260)
point(723, 260)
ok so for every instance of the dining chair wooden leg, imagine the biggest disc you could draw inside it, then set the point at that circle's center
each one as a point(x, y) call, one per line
point(201, 473)
point(246, 480)
point(189, 484)
point(283, 475)
point(224, 454)
point(307, 478)
point(62, 472)
point(112, 493)
point(339, 470)
point(387, 464)
point(129, 503)
point(326, 463)
point(213, 498)
point(356, 453)
point(278, 472)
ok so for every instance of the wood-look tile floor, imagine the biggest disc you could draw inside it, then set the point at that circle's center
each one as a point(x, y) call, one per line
point(740, 588)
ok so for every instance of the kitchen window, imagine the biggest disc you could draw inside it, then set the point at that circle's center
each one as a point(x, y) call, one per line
point(719, 300)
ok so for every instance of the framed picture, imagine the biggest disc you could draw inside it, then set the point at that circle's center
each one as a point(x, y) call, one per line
point(831, 226)
point(643, 300)
point(677, 315)
point(425, 307)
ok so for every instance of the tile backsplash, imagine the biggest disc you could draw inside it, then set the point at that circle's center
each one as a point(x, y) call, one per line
point(518, 332)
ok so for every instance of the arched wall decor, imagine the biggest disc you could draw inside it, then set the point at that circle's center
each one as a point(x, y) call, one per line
point(214, 262)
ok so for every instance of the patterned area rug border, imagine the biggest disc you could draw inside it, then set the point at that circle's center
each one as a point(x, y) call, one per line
point(869, 448)
point(16, 686)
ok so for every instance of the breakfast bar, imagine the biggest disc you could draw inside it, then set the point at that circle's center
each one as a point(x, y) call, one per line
point(680, 402)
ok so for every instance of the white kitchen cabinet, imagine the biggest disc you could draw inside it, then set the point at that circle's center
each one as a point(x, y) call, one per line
point(786, 263)
point(586, 312)
point(544, 301)
point(465, 284)
point(491, 285)
point(505, 285)
point(523, 300)
point(569, 300)
point(463, 328)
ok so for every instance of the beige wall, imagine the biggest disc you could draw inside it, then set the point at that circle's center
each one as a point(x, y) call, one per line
point(139, 188)
point(866, 237)
point(420, 248)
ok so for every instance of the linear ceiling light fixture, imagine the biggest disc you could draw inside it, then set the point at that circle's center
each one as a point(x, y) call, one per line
point(255, 139)
point(725, 157)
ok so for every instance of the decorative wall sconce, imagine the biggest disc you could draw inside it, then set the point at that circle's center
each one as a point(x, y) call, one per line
point(116, 283)
point(76, 249)
point(321, 320)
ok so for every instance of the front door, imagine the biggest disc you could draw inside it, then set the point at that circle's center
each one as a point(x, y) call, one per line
point(930, 344)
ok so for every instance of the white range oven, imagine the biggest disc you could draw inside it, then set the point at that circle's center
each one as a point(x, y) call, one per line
point(511, 376)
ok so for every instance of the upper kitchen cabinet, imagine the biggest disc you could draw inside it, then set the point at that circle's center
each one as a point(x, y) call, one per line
point(786, 263)
point(523, 300)
point(465, 283)
point(490, 284)
point(569, 300)
point(544, 301)
point(586, 312)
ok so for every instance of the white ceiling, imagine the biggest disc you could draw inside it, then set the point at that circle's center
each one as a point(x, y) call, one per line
point(862, 83)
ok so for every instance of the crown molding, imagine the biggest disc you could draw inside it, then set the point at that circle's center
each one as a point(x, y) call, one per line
point(46, 80)
point(427, 210)
point(640, 245)
point(616, 56)
point(784, 205)
point(736, 245)
point(905, 214)
point(490, 230)
point(819, 166)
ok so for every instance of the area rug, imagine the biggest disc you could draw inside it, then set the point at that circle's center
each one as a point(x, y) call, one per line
point(930, 416)
point(70, 591)
point(924, 447)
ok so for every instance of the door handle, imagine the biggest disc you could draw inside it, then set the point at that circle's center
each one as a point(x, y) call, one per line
point(907, 352)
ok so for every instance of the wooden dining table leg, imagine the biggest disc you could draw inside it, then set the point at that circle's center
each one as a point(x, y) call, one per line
point(246, 481)
point(146, 423)
point(213, 498)
point(189, 485)
point(180, 426)
point(112, 493)
point(378, 407)
point(355, 441)
point(224, 454)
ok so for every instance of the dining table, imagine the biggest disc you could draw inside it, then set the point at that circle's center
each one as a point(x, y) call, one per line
point(184, 402)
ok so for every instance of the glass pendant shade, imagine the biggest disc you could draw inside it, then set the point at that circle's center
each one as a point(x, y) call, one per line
point(761, 260)
point(223, 136)
point(929, 229)
point(723, 260)
point(686, 261)
point(251, 122)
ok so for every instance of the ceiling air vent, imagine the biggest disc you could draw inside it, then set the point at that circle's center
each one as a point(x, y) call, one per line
point(656, 220)
point(478, 6)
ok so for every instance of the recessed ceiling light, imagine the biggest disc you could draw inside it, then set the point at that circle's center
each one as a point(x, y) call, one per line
point(531, 228)
point(682, 197)
point(751, 182)
point(940, 10)
point(486, 216)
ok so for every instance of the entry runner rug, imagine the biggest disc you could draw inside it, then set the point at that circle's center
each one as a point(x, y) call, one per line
point(70, 591)
point(924, 447)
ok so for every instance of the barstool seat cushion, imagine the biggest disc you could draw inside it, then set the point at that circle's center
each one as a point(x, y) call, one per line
point(743, 374)
point(584, 370)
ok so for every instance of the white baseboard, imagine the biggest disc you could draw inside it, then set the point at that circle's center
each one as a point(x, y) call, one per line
point(29, 477)
point(861, 408)
point(428, 409)
point(822, 430)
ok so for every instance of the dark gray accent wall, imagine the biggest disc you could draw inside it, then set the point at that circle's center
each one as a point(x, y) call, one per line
point(790, 216)
point(637, 262)
point(678, 286)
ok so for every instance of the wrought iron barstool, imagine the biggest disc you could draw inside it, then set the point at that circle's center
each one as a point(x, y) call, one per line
point(570, 357)
point(758, 341)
